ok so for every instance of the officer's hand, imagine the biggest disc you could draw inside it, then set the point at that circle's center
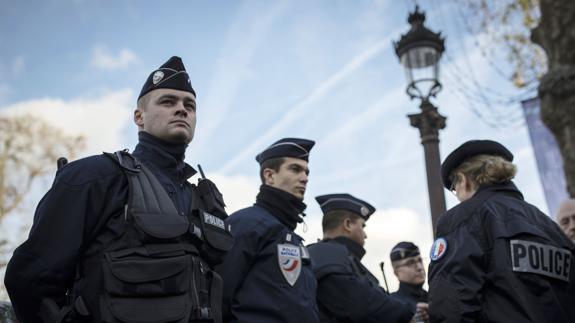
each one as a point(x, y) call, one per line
point(421, 313)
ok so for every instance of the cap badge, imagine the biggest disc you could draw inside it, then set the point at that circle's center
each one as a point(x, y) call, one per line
point(157, 77)
point(438, 249)
point(364, 211)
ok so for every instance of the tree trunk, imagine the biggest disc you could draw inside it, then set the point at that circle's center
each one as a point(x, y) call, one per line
point(556, 34)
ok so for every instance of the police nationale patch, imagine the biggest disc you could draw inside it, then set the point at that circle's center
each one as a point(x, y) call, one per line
point(157, 77)
point(438, 249)
point(542, 259)
point(289, 260)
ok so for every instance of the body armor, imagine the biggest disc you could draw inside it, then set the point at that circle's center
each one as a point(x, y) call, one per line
point(151, 264)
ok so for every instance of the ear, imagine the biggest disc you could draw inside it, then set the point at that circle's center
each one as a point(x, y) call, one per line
point(138, 118)
point(347, 224)
point(269, 177)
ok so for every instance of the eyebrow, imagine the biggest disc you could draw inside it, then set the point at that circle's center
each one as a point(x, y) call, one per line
point(298, 166)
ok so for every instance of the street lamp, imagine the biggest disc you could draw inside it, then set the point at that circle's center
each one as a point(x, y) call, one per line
point(419, 51)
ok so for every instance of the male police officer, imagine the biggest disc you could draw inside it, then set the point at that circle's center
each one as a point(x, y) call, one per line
point(566, 218)
point(409, 270)
point(267, 274)
point(347, 291)
point(125, 237)
point(497, 258)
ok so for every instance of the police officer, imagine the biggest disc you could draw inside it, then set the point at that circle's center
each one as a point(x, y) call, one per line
point(125, 237)
point(497, 258)
point(409, 270)
point(347, 291)
point(566, 218)
point(267, 274)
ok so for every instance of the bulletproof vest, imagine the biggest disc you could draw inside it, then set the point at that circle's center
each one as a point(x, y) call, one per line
point(155, 265)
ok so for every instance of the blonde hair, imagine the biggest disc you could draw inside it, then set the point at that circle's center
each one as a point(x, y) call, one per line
point(485, 170)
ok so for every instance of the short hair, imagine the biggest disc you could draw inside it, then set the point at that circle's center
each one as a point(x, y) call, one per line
point(272, 163)
point(335, 218)
point(143, 101)
point(485, 170)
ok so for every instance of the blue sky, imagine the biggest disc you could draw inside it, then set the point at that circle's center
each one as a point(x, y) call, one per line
point(324, 70)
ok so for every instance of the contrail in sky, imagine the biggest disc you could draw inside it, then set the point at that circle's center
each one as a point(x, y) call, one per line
point(295, 112)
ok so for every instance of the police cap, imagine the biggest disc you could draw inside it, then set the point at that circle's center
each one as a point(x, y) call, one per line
point(346, 202)
point(171, 75)
point(403, 250)
point(468, 150)
point(287, 147)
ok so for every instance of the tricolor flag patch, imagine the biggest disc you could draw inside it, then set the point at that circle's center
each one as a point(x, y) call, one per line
point(438, 249)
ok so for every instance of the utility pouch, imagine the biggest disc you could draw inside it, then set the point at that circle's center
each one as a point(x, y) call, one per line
point(148, 285)
point(212, 199)
point(217, 237)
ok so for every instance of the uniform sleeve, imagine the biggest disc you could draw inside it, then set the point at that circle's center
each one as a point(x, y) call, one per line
point(238, 260)
point(456, 279)
point(352, 300)
point(44, 265)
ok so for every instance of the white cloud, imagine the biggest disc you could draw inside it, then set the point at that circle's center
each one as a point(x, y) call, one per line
point(100, 120)
point(238, 191)
point(102, 58)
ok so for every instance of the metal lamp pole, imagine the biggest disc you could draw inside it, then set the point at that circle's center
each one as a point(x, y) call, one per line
point(419, 51)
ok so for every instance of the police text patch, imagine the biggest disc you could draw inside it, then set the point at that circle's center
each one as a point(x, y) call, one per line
point(213, 220)
point(542, 259)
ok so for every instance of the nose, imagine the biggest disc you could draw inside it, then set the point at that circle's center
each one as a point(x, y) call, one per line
point(304, 178)
point(181, 109)
point(420, 266)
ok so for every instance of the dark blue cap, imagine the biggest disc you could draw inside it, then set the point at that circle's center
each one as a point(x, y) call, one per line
point(171, 75)
point(403, 250)
point(346, 202)
point(470, 149)
point(287, 147)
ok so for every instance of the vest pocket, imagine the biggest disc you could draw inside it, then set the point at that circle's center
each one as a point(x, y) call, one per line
point(149, 288)
point(153, 310)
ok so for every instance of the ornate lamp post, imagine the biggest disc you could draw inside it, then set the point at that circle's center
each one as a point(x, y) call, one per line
point(419, 51)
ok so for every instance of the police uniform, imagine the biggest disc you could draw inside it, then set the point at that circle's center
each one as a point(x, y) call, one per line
point(498, 258)
point(267, 274)
point(408, 293)
point(347, 291)
point(105, 248)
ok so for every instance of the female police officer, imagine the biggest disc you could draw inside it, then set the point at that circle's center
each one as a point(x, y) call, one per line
point(497, 258)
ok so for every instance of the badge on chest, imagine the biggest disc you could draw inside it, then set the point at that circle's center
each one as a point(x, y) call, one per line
point(289, 260)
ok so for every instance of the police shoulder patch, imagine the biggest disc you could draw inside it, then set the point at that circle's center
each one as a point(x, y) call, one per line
point(289, 261)
point(438, 249)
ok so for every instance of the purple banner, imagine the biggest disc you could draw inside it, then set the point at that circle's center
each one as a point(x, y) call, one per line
point(547, 155)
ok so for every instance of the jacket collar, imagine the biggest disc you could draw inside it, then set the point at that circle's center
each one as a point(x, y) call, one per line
point(353, 247)
point(164, 155)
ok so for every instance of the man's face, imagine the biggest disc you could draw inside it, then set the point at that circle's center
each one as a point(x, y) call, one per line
point(168, 114)
point(291, 177)
point(357, 231)
point(566, 218)
point(410, 270)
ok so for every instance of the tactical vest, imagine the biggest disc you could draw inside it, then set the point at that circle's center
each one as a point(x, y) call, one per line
point(152, 264)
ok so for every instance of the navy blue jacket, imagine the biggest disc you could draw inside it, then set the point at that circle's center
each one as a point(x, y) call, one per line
point(500, 260)
point(347, 291)
point(255, 290)
point(85, 193)
point(410, 294)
